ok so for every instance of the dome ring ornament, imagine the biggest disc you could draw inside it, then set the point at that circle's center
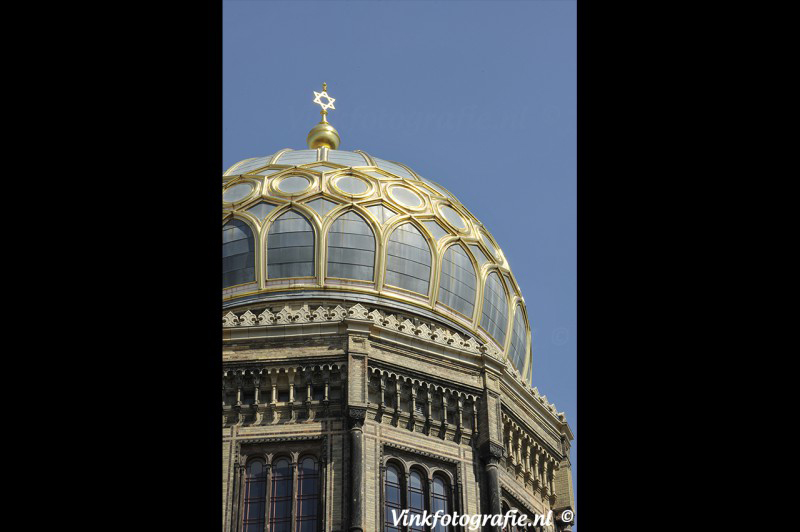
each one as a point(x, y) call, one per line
point(238, 192)
point(351, 186)
point(457, 220)
point(292, 185)
point(406, 197)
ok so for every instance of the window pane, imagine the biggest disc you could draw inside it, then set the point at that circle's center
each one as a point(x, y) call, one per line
point(409, 260)
point(517, 350)
point(238, 254)
point(254, 496)
point(392, 490)
point(495, 309)
point(307, 495)
point(290, 247)
point(457, 282)
point(416, 499)
point(281, 499)
point(441, 501)
point(351, 248)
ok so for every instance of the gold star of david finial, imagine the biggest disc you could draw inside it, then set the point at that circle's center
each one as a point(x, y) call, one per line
point(324, 94)
point(323, 135)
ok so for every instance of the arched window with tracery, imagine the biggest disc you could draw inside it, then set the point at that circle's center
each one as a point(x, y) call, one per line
point(351, 248)
point(393, 489)
point(280, 504)
point(290, 247)
point(307, 495)
point(416, 499)
point(408, 260)
point(440, 497)
point(255, 492)
point(238, 254)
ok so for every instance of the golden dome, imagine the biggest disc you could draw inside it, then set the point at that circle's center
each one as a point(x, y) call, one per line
point(323, 222)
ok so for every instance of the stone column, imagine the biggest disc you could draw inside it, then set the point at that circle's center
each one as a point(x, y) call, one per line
point(356, 417)
point(492, 455)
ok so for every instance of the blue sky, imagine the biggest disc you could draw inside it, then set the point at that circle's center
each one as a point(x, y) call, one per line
point(478, 96)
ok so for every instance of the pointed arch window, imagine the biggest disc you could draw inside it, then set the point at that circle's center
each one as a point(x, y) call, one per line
point(307, 495)
point(351, 248)
point(494, 317)
point(238, 254)
point(290, 247)
point(255, 489)
point(458, 281)
point(517, 350)
point(393, 489)
point(280, 504)
point(408, 259)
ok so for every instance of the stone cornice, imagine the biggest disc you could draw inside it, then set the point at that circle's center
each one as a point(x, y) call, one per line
point(422, 330)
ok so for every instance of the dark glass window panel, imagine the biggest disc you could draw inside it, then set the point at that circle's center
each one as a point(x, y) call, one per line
point(517, 350)
point(409, 260)
point(416, 498)
point(283, 396)
point(458, 282)
point(238, 254)
point(494, 318)
point(280, 514)
point(392, 491)
point(351, 248)
point(318, 393)
point(254, 496)
point(307, 495)
point(290, 247)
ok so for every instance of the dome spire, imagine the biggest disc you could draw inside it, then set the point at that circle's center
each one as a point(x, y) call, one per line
point(323, 135)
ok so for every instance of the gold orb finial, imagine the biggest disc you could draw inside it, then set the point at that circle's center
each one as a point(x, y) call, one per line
point(323, 135)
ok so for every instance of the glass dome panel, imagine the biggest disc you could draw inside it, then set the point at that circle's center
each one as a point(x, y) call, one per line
point(322, 206)
point(290, 247)
point(453, 217)
point(238, 254)
point(346, 158)
point(261, 210)
point(405, 196)
point(494, 317)
point(293, 184)
point(457, 285)
point(479, 255)
point(237, 192)
point(517, 350)
point(351, 185)
point(251, 165)
point(351, 248)
point(297, 157)
point(394, 168)
point(381, 212)
point(409, 260)
point(435, 229)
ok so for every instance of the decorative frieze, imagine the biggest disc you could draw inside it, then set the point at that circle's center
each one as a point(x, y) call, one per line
point(412, 326)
